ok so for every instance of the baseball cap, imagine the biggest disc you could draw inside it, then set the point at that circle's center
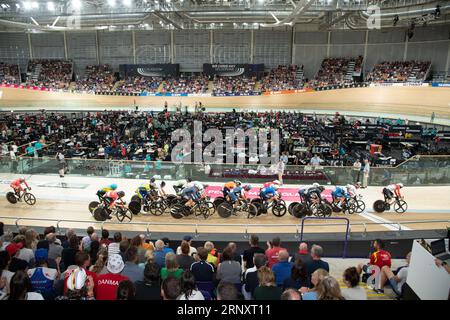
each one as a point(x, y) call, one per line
point(187, 238)
point(41, 254)
point(76, 279)
point(13, 247)
point(115, 263)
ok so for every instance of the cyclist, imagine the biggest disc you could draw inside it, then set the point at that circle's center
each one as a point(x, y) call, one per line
point(150, 189)
point(161, 192)
point(190, 193)
point(352, 188)
point(180, 185)
point(314, 192)
point(269, 193)
point(391, 190)
point(112, 196)
point(239, 193)
point(340, 194)
point(101, 193)
point(17, 186)
point(227, 187)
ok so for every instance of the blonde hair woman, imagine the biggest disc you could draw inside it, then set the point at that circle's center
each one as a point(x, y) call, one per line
point(316, 278)
point(172, 268)
point(149, 257)
point(100, 264)
point(267, 289)
point(328, 289)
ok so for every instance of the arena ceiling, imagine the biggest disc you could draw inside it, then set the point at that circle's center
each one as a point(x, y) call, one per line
point(67, 15)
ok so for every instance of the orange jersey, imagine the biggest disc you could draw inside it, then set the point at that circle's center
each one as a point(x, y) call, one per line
point(230, 185)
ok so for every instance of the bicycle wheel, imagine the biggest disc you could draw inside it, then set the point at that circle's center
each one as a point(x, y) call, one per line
point(379, 206)
point(171, 200)
point(291, 207)
point(225, 210)
point(217, 201)
point(279, 210)
point(300, 210)
point(156, 208)
point(360, 206)
point(324, 210)
point(252, 211)
point(135, 206)
point(135, 198)
point(100, 214)
point(29, 198)
point(175, 212)
point(400, 206)
point(93, 205)
point(124, 214)
point(11, 197)
point(211, 208)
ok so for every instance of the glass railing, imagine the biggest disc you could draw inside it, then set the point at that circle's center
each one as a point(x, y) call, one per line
point(421, 170)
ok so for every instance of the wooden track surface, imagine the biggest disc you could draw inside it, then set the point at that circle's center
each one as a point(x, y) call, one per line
point(77, 210)
point(416, 101)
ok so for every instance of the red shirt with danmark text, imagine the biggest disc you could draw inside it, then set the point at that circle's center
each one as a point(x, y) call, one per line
point(107, 285)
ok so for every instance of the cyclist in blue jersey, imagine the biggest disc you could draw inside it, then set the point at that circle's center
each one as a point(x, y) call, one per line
point(340, 194)
point(238, 193)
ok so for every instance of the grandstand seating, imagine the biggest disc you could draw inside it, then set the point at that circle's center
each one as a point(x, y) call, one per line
point(234, 85)
point(96, 78)
point(52, 74)
point(283, 78)
point(399, 71)
point(186, 84)
point(336, 71)
point(9, 73)
point(139, 85)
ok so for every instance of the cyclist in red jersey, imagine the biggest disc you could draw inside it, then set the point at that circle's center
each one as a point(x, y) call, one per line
point(17, 186)
point(112, 196)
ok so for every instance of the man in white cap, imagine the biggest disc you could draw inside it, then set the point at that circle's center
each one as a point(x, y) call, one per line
point(108, 283)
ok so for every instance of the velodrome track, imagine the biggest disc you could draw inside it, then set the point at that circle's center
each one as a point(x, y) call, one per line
point(68, 201)
point(395, 101)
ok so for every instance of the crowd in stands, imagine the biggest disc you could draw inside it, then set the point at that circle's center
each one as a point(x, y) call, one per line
point(96, 78)
point(186, 84)
point(9, 73)
point(399, 71)
point(284, 77)
point(49, 73)
point(96, 267)
point(138, 135)
point(243, 86)
point(139, 85)
point(333, 71)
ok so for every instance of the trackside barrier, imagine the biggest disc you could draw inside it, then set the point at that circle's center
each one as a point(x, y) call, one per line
point(347, 231)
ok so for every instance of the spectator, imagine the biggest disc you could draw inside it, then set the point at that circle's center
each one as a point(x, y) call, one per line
point(282, 269)
point(171, 267)
point(82, 260)
point(54, 249)
point(131, 270)
point(291, 294)
point(353, 290)
point(149, 288)
point(379, 258)
point(68, 254)
point(108, 283)
point(316, 277)
point(167, 248)
point(171, 288)
point(189, 289)
point(114, 247)
point(15, 263)
point(439, 263)
point(69, 233)
point(234, 254)
point(160, 253)
point(267, 289)
point(80, 286)
point(202, 270)
point(94, 248)
point(328, 289)
point(184, 259)
point(126, 290)
point(229, 270)
point(5, 274)
point(316, 261)
point(25, 253)
point(43, 278)
point(100, 264)
point(212, 253)
point(249, 253)
point(251, 281)
point(146, 245)
point(227, 291)
point(396, 279)
point(20, 288)
point(123, 247)
point(273, 248)
point(303, 253)
point(192, 250)
point(104, 241)
point(298, 278)
point(149, 257)
point(136, 242)
point(86, 241)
